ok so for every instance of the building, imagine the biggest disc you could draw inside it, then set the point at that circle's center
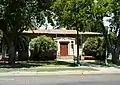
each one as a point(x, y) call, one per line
point(66, 40)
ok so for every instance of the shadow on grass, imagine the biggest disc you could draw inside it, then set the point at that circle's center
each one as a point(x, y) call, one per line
point(54, 63)
point(93, 64)
point(114, 65)
point(17, 65)
point(29, 64)
point(99, 63)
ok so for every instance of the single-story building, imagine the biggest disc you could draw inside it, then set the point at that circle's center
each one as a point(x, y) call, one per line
point(65, 39)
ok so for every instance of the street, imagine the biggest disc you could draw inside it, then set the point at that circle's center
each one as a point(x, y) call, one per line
point(113, 79)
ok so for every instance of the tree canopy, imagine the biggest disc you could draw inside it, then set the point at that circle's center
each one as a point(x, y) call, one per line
point(82, 14)
point(19, 15)
point(87, 15)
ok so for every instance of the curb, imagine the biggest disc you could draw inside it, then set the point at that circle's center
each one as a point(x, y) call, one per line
point(56, 73)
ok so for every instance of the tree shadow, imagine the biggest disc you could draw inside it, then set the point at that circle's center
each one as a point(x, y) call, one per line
point(18, 65)
point(99, 63)
point(29, 64)
point(96, 63)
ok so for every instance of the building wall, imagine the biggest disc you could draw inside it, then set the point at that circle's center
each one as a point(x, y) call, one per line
point(71, 41)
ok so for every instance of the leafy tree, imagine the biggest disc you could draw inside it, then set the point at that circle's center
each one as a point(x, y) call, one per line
point(43, 48)
point(114, 32)
point(111, 35)
point(73, 13)
point(84, 15)
point(17, 16)
point(101, 9)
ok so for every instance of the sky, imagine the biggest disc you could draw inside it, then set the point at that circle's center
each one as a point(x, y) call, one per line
point(106, 22)
point(49, 26)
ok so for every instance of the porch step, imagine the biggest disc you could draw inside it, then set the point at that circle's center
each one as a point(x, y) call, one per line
point(65, 57)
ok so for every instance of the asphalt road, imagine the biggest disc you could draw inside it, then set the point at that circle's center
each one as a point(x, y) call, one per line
point(61, 80)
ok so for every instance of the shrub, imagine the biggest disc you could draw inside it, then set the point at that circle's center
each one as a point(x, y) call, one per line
point(43, 48)
point(94, 47)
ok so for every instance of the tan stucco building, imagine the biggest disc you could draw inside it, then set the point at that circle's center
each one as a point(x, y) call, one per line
point(66, 40)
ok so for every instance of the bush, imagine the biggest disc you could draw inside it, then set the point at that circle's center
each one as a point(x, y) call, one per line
point(43, 48)
point(94, 47)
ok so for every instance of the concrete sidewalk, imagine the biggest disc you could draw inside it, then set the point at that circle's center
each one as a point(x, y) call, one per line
point(106, 70)
point(102, 70)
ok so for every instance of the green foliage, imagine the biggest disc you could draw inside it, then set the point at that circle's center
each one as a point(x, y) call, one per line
point(42, 47)
point(114, 32)
point(72, 13)
point(94, 47)
point(19, 15)
point(87, 15)
point(82, 14)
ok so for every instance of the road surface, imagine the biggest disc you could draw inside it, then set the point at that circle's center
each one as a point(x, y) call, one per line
point(113, 79)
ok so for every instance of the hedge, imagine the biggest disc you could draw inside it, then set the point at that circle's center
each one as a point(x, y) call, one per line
point(94, 46)
point(43, 48)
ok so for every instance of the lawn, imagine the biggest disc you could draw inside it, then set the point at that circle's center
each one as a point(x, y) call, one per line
point(29, 64)
point(45, 69)
point(42, 66)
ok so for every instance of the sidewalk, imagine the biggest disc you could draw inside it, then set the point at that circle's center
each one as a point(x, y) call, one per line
point(107, 70)
point(102, 70)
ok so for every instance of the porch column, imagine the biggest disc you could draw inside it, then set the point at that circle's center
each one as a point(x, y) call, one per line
point(69, 48)
point(74, 48)
point(29, 54)
point(58, 50)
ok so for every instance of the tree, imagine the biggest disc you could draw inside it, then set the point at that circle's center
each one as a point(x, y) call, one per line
point(83, 14)
point(101, 9)
point(43, 48)
point(73, 14)
point(114, 32)
point(111, 35)
point(17, 16)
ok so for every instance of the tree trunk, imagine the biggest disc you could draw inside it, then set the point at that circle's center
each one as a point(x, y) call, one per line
point(115, 57)
point(12, 53)
point(105, 35)
point(106, 55)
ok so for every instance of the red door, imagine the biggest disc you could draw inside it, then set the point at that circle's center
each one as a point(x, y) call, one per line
point(64, 49)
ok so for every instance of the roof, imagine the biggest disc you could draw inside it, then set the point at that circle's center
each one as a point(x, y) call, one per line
point(59, 31)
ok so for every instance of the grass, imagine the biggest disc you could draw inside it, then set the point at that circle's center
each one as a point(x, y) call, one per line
point(29, 64)
point(45, 69)
point(98, 63)
point(41, 66)
point(93, 63)
point(62, 69)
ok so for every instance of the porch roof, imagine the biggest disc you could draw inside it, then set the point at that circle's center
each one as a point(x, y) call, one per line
point(59, 31)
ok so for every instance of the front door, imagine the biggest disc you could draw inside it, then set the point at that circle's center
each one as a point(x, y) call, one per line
point(63, 49)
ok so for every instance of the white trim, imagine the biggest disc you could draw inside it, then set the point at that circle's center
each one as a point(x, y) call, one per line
point(65, 39)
